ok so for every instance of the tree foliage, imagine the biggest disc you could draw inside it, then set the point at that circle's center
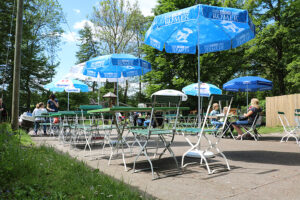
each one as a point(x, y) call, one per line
point(114, 21)
point(40, 41)
point(117, 28)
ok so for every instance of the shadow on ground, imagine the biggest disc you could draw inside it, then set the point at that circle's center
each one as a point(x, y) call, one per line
point(265, 157)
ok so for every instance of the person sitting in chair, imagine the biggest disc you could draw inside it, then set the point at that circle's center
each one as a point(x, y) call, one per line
point(213, 114)
point(37, 112)
point(248, 118)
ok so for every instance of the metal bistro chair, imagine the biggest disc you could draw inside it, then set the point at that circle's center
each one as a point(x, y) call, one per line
point(212, 149)
point(142, 137)
point(297, 118)
point(289, 130)
point(251, 128)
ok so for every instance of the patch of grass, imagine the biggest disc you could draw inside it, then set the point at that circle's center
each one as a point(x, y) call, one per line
point(266, 130)
point(28, 172)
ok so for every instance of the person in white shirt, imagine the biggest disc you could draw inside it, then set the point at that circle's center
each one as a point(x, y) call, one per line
point(37, 113)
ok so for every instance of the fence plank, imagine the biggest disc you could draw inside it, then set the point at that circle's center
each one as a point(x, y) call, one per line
point(285, 103)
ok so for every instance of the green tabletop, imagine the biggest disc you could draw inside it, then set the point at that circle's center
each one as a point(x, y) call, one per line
point(90, 107)
point(135, 109)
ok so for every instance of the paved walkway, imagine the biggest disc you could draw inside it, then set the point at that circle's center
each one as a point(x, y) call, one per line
point(266, 169)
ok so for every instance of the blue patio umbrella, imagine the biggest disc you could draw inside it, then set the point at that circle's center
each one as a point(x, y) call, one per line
point(248, 84)
point(68, 85)
point(116, 66)
point(206, 89)
point(202, 27)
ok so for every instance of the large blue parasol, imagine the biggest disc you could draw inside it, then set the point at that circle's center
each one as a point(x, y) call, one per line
point(116, 66)
point(68, 85)
point(248, 84)
point(202, 27)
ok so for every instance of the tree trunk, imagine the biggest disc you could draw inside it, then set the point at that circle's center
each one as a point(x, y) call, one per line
point(28, 100)
point(17, 67)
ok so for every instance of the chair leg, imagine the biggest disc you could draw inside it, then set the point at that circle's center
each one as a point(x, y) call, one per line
point(143, 149)
point(167, 146)
point(222, 154)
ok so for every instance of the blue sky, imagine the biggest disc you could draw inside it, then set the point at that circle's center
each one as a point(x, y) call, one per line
point(76, 13)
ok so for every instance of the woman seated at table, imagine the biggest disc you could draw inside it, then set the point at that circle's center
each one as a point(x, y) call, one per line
point(37, 113)
point(248, 118)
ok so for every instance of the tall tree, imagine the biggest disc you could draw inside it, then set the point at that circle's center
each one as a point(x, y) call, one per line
point(276, 48)
point(89, 46)
point(7, 32)
point(114, 22)
point(41, 38)
point(42, 30)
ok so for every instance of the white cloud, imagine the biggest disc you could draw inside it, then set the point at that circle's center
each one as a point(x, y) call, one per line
point(79, 25)
point(145, 6)
point(77, 11)
point(70, 36)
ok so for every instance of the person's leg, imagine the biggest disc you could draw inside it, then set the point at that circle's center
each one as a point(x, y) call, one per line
point(237, 127)
point(146, 123)
point(219, 124)
point(45, 129)
point(36, 127)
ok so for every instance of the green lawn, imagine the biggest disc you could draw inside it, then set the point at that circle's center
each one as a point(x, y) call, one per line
point(28, 172)
point(266, 130)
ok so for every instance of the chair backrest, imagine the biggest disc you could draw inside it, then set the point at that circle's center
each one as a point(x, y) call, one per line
point(259, 120)
point(221, 98)
point(283, 120)
point(256, 121)
point(159, 99)
point(297, 117)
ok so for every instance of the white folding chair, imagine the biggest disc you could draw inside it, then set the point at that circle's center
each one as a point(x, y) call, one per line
point(207, 152)
point(143, 136)
point(289, 130)
point(297, 118)
point(250, 128)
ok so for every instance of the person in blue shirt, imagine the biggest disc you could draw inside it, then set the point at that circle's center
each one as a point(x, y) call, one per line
point(52, 104)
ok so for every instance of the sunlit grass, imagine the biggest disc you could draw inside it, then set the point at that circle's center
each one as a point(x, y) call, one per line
point(266, 130)
point(28, 172)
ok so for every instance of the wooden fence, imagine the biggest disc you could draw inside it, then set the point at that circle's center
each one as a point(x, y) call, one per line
point(286, 104)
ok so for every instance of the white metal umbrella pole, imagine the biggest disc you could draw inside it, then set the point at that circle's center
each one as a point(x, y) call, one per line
point(68, 100)
point(117, 91)
point(199, 84)
point(247, 99)
point(99, 84)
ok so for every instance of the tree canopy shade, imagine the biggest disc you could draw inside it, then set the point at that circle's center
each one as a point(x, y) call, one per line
point(275, 51)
